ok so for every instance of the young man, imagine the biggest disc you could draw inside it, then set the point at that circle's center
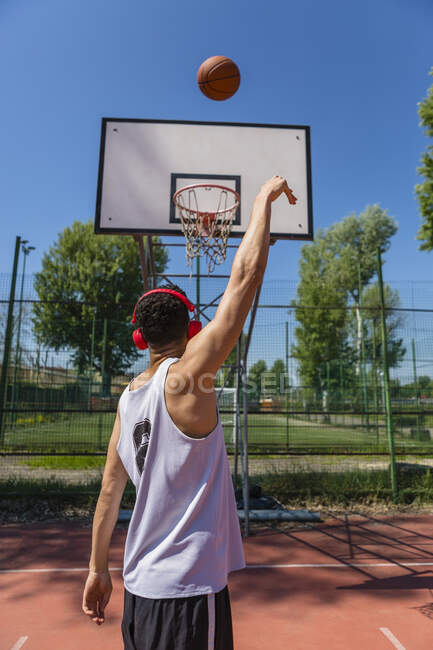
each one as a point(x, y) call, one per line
point(184, 536)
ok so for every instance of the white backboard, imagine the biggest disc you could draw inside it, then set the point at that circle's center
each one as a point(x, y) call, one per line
point(143, 163)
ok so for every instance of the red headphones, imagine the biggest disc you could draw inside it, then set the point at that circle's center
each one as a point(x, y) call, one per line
point(194, 326)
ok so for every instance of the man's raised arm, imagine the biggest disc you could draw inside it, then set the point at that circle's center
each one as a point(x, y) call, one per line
point(207, 351)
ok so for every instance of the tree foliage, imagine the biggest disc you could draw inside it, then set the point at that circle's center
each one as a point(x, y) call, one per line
point(321, 332)
point(424, 190)
point(255, 375)
point(278, 371)
point(227, 375)
point(371, 311)
point(86, 278)
point(25, 329)
point(352, 244)
point(334, 271)
point(425, 386)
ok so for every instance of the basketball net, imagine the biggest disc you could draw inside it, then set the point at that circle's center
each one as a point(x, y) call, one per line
point(206, 212)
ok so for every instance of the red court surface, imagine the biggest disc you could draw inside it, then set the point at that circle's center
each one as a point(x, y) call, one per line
point(349, 583)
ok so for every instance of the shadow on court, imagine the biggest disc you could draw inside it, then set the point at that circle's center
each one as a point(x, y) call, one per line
point(347, 577)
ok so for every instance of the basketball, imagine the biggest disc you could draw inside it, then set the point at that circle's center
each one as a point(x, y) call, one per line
point(218, 78)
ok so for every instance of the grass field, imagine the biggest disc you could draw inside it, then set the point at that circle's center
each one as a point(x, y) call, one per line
point(321, 462)
point(89, 433)
point(315, 486)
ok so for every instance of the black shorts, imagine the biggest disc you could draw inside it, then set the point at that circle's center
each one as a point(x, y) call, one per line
point(193, 623)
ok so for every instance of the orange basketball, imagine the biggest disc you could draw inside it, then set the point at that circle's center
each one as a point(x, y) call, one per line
point(218, 78)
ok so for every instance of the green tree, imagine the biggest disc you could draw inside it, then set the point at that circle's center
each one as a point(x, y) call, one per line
point(84, 278)
point(278, 370)
point(321, 314)
point(255, 376)
point(353, 243)
point(425, 385)
point(334, 270)
point(225, 377)
point(371, 310)
point(422, 388)
point(424, 190)
point(25, 333)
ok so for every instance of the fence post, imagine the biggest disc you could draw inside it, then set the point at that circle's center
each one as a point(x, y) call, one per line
point(287, 386)
point(245, 477)
point(375, 387)
point(103, 362)
point(237, 408)
point(342, 398)
point(362, 372)
point(17, 364)
point(8, 341)
point(92, 355)
point(415, 381)
point(386, 379)
point(197, 283)
point(143, 260)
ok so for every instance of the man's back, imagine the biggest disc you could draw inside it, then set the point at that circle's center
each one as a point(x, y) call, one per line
point(185, 509)
point(184, 536)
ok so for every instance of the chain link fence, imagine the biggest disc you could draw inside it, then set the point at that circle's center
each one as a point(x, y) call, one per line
point(57, 407)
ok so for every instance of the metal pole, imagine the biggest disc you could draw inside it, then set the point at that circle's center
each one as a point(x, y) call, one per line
point(51, 382)
point(386, 378)
point(38, 366)
point(328, 389)
point(374, 367)
point(197, 283)
point(287, 387)
point(142, 253)
point(17, 347)
point(103, 380)
point(18, 354)
point(364, 377)
point(92, 356)
point(238, 408)
point(152, 260)
point(415, 381)
point(362, 353)
point(245, 482)
point(252, 319)
point(104, 358)
point(245, 486)
point(8, 341)
point(365, 381)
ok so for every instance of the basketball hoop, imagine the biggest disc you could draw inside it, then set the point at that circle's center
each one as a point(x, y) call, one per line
point(206, 212)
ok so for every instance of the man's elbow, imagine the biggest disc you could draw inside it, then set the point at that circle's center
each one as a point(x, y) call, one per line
point(112, 487)
point(252, 274)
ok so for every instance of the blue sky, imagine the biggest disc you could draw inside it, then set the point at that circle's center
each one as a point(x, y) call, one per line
point(353, 71)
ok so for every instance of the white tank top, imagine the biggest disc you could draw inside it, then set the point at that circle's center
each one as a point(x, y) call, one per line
point(184, 535)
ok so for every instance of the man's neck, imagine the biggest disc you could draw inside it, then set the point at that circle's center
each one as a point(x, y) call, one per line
point(169, 351)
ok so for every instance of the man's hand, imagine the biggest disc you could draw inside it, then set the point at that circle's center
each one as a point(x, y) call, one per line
point(276, 186)
point(98, 587)
point(96, 595)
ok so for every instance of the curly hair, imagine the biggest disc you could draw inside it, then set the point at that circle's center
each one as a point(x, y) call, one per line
point(162, 317)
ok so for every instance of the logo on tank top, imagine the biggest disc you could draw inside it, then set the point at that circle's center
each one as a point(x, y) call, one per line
point(141, 437)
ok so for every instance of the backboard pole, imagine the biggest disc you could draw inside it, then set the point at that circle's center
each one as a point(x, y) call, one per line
point(139, 240)
point(237, 408)
point(245, 478)
point(197, 290)
point(152, 260)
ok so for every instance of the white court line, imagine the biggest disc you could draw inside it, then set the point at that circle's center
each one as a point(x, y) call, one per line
point(53, 570)
point(346, 565)
point(389, 635)
point(19, 644)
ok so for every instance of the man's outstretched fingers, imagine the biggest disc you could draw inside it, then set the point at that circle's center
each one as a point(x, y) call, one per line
point(291, 197)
